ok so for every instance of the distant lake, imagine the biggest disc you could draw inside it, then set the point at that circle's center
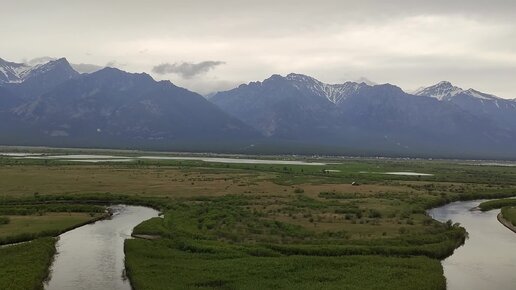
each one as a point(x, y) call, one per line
point(235, 160)
point(113, 158)
point(406, 173)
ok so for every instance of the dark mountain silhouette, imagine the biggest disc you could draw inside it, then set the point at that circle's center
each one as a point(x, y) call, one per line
point(114, 108)
point(374, 119)
point(52, 104)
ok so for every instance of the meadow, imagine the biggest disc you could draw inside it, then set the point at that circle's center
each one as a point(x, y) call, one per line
point(25, 222)
point(346, 224)
point(232, 269)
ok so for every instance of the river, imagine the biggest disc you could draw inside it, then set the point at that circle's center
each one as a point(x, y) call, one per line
point(488, 258)
point(92, 256)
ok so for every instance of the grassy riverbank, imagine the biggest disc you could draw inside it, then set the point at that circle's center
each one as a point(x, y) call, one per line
point(497, 203)
point(25, 266)
point(238, 226)
point(509, 214)
point(30, 221)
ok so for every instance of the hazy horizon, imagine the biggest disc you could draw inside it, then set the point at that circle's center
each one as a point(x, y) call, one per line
point(207, 46)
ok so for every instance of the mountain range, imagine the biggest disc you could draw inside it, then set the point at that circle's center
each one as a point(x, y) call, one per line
point(52, 104)
point(375, 118)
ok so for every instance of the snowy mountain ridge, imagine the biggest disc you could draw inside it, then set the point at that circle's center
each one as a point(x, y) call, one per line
point(12, 72)
point(335, 93)
point(444, 91)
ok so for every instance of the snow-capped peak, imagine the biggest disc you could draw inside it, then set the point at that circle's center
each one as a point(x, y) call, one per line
point(12, 72)
point(441, 91)
point(335, 93)
point(448, 92)
point(480, 95)
point(300, 78)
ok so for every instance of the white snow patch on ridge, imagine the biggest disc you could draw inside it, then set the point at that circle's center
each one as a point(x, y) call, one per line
point(446, 91)
point(335, 93)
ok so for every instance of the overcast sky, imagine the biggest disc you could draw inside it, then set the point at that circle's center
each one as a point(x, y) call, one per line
point(212, 45)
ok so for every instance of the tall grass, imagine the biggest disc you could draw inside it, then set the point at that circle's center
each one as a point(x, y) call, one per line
point(25, 266)
point(162, 265)
point(4, 220)
point(509, 213)
point(498, 203)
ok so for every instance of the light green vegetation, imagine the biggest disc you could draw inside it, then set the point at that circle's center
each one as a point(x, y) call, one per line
point(231, 242)
point(509, 213)
point(27, 227)
point(23, 222)
point(25, 266)
point(238, 226)
point(497, 203)
point(149, 263)
point(508, 209)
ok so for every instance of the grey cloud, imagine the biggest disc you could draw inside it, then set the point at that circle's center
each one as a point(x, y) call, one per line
point(186, 69)
point(79, 67)
point(86, 68)
point(39, 60)
point(115, 64)
point(111, 64)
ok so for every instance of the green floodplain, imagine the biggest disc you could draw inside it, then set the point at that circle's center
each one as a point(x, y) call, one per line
point(343, 225)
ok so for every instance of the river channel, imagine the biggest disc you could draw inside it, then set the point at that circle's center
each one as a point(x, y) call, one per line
point(488, 258)
point(92, 256)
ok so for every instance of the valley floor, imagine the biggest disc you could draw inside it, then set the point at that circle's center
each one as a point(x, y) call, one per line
point(259, 226)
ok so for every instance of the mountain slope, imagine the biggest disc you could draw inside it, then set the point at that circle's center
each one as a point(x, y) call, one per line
point(501, 111)
point(52, 104)
point(113, 108)
point(293, 107)
point(12, 72)
point(41, 78)
point(379, 118)
point(22, 82)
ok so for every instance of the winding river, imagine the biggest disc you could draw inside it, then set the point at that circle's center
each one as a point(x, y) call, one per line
point(92, 257)
point(488, 258)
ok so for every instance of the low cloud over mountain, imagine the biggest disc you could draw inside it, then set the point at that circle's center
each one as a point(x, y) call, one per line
point(186, 69)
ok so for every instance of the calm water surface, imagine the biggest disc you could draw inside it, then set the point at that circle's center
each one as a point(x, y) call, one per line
point(488, 258)
point(92, 257)
point(235, 160)
point(111, 158)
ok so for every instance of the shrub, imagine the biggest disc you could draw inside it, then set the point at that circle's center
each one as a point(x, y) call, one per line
point(4, 220)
